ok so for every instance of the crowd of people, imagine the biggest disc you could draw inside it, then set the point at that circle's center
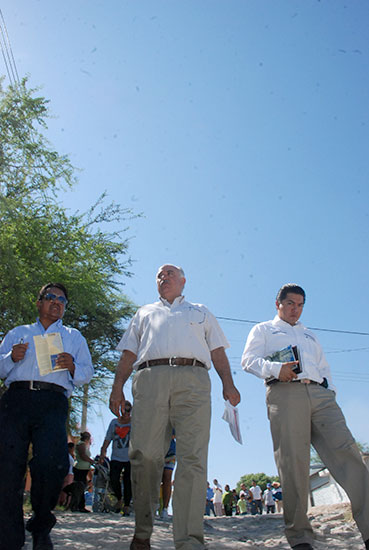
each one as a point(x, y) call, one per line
point(250, 500)
point(168, 347)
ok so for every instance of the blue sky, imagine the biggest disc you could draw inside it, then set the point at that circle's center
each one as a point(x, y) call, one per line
point(240, 128)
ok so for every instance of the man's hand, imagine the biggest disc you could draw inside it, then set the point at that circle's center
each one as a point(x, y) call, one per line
point(123, 372)
point(221, 364)
point(117, 402)
point(65, 361)
point(18, 352)
point(232, 394)
point(286, 373)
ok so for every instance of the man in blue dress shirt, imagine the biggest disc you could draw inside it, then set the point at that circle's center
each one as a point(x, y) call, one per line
point(34, 410)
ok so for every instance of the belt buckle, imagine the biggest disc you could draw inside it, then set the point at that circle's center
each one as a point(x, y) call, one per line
point(31, 386)
point(305, 380)
point(171, 359)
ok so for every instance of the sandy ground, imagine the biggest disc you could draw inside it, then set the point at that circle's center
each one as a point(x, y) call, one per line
point(333, 528)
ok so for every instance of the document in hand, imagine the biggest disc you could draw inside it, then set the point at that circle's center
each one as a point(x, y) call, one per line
point(47, 349)
point(285, 355)
point(230, 415)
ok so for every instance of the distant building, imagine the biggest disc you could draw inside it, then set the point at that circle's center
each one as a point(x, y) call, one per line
point(324, 489)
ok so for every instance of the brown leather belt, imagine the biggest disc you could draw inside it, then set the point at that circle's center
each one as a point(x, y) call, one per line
point(172, 362)
point(36, 385)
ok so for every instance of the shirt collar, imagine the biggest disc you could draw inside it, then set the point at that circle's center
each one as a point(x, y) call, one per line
point(278, 321)
point(176, 301)
point(54, 326)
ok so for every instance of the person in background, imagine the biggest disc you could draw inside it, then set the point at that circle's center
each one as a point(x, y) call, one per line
point(166, 481)
point(83, 465)
point(268, 499)
point(119, 432)
point(257, 496)
point(277, 495)
point(242, 505)
point(209, 506)
point(34, 411)
point(69, 478)
point(218, 507)
point(227, 500)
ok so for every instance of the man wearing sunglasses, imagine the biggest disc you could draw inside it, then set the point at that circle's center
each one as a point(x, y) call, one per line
point(303, 411)
point(34, 411)
point(171, 345)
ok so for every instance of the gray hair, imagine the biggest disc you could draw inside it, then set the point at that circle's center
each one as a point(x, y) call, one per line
point(180, 269)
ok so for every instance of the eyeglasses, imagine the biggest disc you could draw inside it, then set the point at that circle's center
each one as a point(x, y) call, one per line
point(50, 296)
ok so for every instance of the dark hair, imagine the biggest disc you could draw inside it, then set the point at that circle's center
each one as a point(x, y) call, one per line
point(46, 287)
point(85, 436)
point(70, 445)
point(290, 287)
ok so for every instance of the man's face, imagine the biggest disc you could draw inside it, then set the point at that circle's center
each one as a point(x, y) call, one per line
point(50, 309)
point(290, 309)
point(170, 282)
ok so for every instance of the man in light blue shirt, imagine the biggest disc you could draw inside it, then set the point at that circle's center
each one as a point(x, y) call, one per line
point(41, 364)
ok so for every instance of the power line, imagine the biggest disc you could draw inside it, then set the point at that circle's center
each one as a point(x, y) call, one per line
point(311, 328)
point(7, 53)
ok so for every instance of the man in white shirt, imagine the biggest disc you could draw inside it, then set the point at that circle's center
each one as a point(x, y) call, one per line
point(302, 410)
point(171, 345)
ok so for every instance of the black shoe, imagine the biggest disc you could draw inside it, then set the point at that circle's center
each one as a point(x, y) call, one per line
point(42, 541)
point(366, 544)
point(303, 546)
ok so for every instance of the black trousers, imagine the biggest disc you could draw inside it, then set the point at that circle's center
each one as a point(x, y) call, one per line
point(81, 475)
point(116, 468)
point(37, 417)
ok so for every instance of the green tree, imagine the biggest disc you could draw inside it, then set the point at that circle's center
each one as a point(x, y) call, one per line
point(315, 458)
point(260, 478)
point(41, 241)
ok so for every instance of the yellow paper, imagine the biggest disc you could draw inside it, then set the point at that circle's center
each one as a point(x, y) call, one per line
point(47, 348)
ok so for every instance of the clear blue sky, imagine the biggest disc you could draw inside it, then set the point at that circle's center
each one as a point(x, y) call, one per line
point(240, 128)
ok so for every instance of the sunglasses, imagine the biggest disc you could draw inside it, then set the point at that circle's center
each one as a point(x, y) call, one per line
point(50, 296)
point(127, 409)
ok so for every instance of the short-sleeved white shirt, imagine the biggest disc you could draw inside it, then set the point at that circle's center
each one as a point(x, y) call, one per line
point(181, 329)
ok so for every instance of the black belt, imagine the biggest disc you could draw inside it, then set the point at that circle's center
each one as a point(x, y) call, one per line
point(36, 385)
point(172, 362)
point(302, 381)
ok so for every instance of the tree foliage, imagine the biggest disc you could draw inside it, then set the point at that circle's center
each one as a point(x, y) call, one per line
point(260, 478)
point(40, 241)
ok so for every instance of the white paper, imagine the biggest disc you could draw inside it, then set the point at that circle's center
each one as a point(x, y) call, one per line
point(47, 348)
point(231, 416)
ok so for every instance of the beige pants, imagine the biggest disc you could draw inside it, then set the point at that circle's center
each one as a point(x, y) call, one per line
point(164, 398)
point(301, 414)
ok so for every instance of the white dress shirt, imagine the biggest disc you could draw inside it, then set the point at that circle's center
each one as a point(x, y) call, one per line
point(271, 336)
point(181, 329)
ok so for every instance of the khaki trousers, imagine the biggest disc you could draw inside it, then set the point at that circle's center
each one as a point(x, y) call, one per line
point(301, 414)
point(168, 397)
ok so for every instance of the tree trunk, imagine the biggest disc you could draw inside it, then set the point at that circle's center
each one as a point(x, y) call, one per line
point(84, 408)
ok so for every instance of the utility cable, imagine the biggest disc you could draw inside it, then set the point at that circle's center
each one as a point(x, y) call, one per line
point(7, 52)
point(311, 328)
